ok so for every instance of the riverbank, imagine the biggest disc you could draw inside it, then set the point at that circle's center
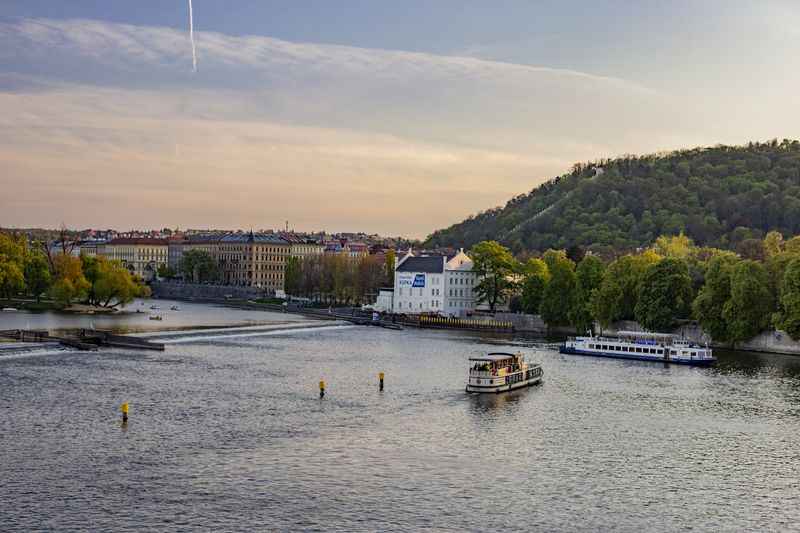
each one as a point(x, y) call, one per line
point(43, 305)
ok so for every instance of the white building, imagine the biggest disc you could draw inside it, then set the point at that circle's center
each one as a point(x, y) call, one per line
point(460, 283)
point(385, 301)
point(141, 256)
point(434, 284)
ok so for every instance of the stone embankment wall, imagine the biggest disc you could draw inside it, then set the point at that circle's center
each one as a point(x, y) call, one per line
point(524, 323)
point(531, 324)
point(767, 342)
point(196, 291)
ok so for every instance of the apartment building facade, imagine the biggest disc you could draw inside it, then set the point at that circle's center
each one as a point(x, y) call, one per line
point(253, 259)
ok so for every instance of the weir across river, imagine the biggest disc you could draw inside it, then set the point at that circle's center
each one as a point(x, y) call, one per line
point(84, 339)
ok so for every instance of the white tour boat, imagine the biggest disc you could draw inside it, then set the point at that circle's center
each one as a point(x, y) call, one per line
point(643, 346)
point(500, 372)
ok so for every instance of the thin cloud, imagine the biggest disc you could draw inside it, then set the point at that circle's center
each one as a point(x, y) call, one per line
point(126, 46)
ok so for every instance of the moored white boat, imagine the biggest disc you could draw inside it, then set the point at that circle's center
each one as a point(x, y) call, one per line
point(501, 372)
point(642, 346)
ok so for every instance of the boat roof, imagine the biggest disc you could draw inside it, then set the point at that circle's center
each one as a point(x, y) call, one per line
point(496, 356)
point(646, 335)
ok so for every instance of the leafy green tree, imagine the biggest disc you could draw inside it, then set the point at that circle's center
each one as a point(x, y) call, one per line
point(588, 277)
point(749, 309)
point(675, 246)
point(792, 245)
point(69, 282)
point(616, 297)
point(751, 249)
point(665, 295)
point(560, 290)
point(199, 266)
point(391, 260)
point(12, 265)
point(370, 275)
point(535, 276)
point(715, 293)
point(13, 249)
point(575, 253)
point(114, 286)
point(607, 301)
point(773, 243)
point(552, 257)
point(12, 280)
point(62, 291)
point(37, 275)
point(292, 276)
point(790, 300)
point(776, 267)
point(91, 271)
point(495, 268)
point(166, 272)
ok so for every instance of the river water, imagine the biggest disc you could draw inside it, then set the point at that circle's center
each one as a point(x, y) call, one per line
point(228, 433)
point(136, 317)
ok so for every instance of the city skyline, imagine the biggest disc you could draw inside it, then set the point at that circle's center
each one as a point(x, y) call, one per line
point(387, 119)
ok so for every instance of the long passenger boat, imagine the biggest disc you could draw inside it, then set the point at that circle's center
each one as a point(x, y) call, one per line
point(501, 372)
point(642, 346)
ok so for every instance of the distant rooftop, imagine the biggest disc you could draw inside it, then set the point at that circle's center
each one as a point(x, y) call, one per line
point(139, 240)
point(430, 264)
point(259, 238)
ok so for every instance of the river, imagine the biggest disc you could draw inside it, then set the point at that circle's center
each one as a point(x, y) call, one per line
point(228, 433)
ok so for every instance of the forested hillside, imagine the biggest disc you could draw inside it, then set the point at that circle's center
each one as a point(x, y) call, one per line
point(718, 196)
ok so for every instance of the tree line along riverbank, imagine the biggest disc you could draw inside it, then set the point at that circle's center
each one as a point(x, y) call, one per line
point(36, 278)
point(733, 297)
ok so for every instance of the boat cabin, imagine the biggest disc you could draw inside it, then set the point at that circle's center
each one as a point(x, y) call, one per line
point(495, 364)
point(501, 372)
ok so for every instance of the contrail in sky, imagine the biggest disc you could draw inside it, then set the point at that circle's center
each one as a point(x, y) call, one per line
point(191, 38)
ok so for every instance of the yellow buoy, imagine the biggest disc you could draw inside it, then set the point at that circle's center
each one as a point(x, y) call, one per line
point(124, 409)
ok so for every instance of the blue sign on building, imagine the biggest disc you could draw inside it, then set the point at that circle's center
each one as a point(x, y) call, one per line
point(419, 280)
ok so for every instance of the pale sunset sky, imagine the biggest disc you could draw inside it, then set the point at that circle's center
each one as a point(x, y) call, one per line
point(393, 117)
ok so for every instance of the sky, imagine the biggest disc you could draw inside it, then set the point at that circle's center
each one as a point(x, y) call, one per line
point(391, 117)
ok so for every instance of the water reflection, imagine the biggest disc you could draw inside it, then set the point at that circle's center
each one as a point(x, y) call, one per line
point(754, 363)
point(482, 404)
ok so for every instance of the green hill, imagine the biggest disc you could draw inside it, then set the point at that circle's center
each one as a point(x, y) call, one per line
point(718, 196)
